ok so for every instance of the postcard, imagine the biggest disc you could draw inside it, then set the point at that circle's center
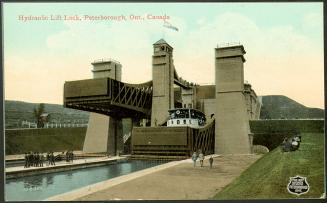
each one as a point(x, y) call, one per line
point(163, 101)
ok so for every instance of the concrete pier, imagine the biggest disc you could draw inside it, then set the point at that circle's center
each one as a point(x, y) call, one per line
point(233, 129)
point(20, 171)
point(104, 133)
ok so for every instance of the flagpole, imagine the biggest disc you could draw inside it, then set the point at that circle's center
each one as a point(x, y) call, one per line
point(163, 30)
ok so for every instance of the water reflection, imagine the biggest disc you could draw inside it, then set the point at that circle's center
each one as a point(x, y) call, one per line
point(49, 179)
point(69, 175)
point(33, 182)
point(43, 186)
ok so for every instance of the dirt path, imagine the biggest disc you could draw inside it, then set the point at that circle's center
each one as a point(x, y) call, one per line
point(180, 182)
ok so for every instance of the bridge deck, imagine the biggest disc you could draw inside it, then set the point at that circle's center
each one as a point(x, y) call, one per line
point(110, 97)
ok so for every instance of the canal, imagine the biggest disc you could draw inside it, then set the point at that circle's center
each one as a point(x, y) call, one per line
point(40, 187)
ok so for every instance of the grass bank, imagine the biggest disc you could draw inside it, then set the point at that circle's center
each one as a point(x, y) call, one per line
point(269, 176)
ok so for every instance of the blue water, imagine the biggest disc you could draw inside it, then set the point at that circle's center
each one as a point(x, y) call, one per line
point(40, 187)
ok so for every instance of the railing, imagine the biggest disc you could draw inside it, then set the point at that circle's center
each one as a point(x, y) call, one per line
point(28, 124)
point(228, 44)
point(65, 125)
point(204, 138)
point(126, 137)
point(106, 60)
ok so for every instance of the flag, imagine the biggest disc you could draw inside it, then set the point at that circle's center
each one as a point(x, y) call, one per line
point(170, 26)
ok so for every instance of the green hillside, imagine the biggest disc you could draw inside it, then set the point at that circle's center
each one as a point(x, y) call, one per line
point(282, 107)
point(274, 107)
point(269, 176)
point(17, 111)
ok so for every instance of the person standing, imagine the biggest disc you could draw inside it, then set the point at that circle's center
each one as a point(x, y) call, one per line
point(41, 159)
point(38, 162)
point(48, 158)
point(26, 160)
point(72, 156)
point(201, 158)
point(211, 161)
point(30, 159)
point(52, 159)
point(194, 158)
point(34, 159)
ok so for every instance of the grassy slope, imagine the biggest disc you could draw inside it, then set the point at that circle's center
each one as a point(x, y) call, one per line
point(269, 176)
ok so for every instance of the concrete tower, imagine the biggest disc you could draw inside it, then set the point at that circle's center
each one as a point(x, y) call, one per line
point(232, 121)
point(104, 133)
point(163, 82)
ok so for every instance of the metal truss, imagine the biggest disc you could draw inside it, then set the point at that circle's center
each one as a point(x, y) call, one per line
point(136, 97)
point(109, 97)
point(204, 138)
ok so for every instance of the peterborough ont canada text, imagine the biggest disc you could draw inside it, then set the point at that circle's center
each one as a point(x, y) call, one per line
point(57, 17)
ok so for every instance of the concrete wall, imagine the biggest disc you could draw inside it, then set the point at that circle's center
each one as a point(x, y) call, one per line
point(208, 107)
point(271, 133)
point(19, 141)
point(90, 87)
point(96, 139)
point(107, 68)
point(164, 136)
point(163, 82)
point(189, 98)
point(232, 129)
point(264, 126)
point(104, 133)
point(252, 102)
point(161, 142)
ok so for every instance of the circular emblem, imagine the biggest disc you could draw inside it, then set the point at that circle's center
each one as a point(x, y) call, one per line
point(178, 112)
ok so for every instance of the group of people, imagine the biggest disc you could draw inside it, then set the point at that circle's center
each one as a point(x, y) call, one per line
point(199, 155)
point(291, 144)
point(69, 156)
point(37, 159)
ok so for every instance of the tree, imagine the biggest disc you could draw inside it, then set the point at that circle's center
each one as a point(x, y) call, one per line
point(264, 113)
point(38, 111)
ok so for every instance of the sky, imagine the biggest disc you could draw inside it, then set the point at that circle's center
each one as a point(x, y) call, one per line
point(283, 44)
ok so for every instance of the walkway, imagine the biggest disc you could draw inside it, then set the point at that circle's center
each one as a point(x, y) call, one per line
point(172, 181)
point(21, 156)
point(60, 164)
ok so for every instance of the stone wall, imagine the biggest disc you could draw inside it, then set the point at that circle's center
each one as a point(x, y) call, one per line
point(19, 141)
point(270, 133)
point(263, 126)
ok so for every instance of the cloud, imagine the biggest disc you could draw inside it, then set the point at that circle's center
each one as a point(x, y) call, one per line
point(313, 21)
point(127, 42)
point(280, 59)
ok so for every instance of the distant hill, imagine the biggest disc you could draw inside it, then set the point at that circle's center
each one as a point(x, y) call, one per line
point(17, 111)
point(274, 107)
point(282, 107)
